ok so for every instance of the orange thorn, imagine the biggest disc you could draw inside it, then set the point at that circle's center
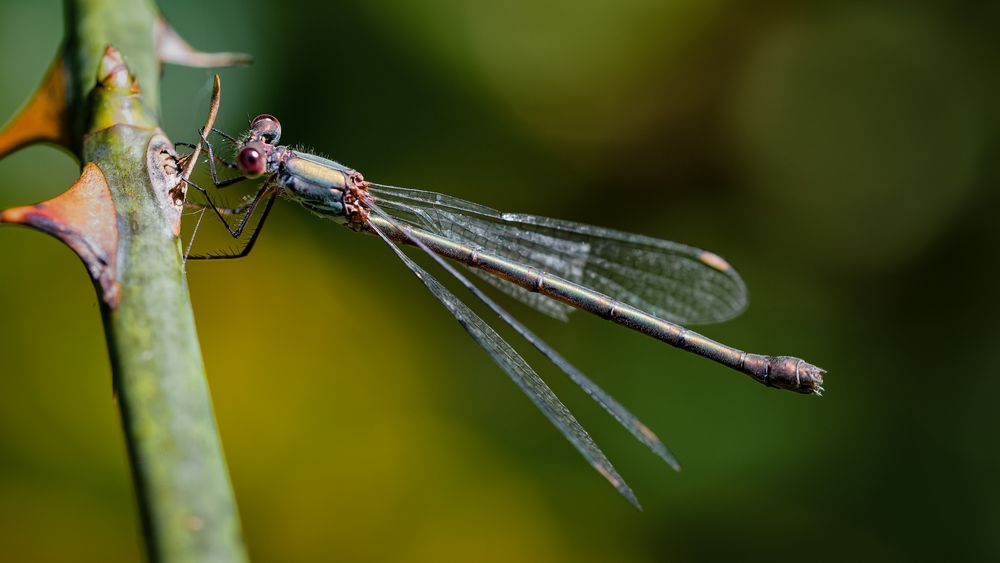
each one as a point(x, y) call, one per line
point(43, 118)
point(84, 218)
point(172, 48)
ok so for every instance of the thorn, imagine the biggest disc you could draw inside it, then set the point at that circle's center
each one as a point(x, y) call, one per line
point(43, 117)
point(118, 99)
point(113, 74)
point(172, 48)
point(84, 218)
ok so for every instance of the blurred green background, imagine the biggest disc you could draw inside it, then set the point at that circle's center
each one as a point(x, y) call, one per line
point(842, 155)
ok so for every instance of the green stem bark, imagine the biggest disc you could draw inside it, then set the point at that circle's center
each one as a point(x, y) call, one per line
point(185, 498)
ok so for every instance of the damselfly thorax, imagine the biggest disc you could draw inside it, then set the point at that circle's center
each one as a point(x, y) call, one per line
point(323, 186)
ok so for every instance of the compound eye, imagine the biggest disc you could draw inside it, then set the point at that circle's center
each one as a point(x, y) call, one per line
point(251, 162)
point(267, 127)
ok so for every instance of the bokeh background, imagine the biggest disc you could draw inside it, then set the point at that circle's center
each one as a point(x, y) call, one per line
point(842, 155)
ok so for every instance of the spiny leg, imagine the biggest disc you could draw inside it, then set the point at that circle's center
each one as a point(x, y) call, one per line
point(253, 236)
point(212, 158)
point(224, 210)
point(190, 244)
point(201, 214)
point(218, 158)
point(215, 177)
point(220, 213)
point(246, 209)
point(225, 136)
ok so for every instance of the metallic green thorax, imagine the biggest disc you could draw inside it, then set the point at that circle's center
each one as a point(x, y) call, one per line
point(317, 183)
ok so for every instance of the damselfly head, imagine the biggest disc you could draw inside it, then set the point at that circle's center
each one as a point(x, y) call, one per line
point(252, 159)
point(265, 128)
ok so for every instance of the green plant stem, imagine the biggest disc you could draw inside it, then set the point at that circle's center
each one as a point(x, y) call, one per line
point(185, 498)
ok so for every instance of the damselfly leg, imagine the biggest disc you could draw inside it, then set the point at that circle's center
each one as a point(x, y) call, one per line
point(212, 158)
point(246, 211)
point(216, 156)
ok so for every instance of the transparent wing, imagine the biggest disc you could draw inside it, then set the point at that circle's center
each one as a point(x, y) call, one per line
point(388, 226)
point(672, 281)
point(520, 372)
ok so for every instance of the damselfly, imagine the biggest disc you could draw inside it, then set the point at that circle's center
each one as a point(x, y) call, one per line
point(642, 283)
